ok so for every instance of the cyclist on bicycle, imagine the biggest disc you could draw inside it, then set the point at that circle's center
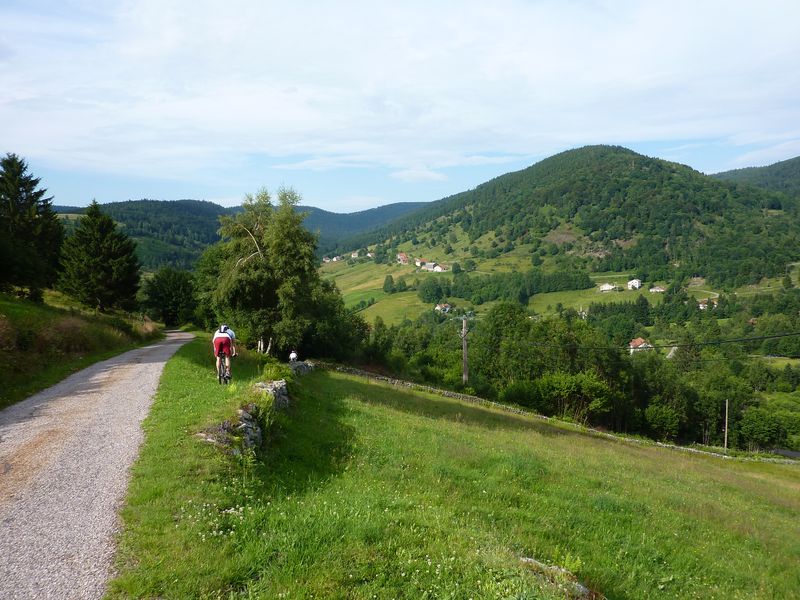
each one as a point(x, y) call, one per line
point(223, 342)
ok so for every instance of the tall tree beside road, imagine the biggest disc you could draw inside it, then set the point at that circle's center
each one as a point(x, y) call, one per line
point(100, 268)
point(30, 232)
point(263, 279)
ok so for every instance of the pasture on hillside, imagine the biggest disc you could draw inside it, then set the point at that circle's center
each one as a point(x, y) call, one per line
point(370, 491)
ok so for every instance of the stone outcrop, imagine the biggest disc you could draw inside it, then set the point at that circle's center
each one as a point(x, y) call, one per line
point(246, 433)
point(277, 389)
point(301, 367)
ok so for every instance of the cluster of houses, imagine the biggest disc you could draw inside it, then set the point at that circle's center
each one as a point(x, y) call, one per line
point(353, 254)
point(633, 284)
point(421, 263)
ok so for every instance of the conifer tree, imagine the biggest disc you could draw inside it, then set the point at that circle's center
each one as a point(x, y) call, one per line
point(100, 267)
point(30, 232)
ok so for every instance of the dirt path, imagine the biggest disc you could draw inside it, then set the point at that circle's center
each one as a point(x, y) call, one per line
point(64, 459)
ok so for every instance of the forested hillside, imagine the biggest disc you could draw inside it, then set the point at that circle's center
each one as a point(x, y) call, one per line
point(175, 233)
point(333, 227)
point(623, 211)
point(782, 176)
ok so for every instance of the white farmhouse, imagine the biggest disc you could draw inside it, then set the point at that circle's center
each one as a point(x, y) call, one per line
point(634, 284)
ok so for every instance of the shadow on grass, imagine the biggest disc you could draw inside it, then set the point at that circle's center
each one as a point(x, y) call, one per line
point(430, 406)
point(312, 444)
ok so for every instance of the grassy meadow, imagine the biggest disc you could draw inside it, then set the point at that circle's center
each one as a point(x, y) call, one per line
point(364, 281)
point(369, 491)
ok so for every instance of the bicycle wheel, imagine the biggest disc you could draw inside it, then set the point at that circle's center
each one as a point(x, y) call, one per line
point(221, 371)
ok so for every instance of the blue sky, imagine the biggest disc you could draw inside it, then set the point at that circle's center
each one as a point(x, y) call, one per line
point(360, 104)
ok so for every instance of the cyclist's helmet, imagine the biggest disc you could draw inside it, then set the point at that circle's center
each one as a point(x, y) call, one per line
point(223, 328)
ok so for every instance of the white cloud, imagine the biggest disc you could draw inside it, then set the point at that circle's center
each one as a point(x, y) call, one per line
point(769, 155)
point(186, 89)
point(414, 175)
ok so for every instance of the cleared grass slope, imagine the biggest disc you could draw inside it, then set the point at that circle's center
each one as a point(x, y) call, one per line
point(374, 492)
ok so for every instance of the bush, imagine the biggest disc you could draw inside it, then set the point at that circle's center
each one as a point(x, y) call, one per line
point(274, 370)
point(525, 393)
point(761, 429)
point(580, 397)
point(662, 420)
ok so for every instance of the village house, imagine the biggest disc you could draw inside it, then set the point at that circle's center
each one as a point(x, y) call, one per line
point(370, 255)
point(634, 284)
point(419, 261)
point(431, 266)
point(443, 308)
point(638, 344)
point(439, 268)
point(705, 302)
point(608, 287)
point(657, 289)
point(326, 259)
point(336, 259)
point(402, 258)
point(354, 254)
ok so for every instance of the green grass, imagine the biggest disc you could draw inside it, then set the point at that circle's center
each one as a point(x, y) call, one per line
point(578, 299)
point(50, 343)
point(789, 401)
point(777, 362)
point(375, 492)
point(395, 308)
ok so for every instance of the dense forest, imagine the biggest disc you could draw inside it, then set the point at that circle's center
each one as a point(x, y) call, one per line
point(782, 176)
point(176, 232)
point(625, 211)
point(579, 367)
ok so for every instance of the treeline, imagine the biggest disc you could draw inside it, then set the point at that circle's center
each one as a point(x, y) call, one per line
point(168, 233)
point(519, 287)
point(582, 369)
point(782, 176)
point(630, 211)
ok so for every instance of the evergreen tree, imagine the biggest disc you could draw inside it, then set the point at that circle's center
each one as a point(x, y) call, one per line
point(30, 232)
point(388, 285)
point(100, 267)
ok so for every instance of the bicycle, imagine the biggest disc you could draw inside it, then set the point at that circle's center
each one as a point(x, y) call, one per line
point(223, 374)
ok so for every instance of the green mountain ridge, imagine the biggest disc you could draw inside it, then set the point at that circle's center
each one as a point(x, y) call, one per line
point(622, 211)
point(175, 232)
point(782, 176)
point(604, 208)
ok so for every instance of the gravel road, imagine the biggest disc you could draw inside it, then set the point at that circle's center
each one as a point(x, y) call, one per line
point(65, 455)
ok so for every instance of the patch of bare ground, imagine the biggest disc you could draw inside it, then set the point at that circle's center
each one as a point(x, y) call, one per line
point(561, 236)
point(630, 243)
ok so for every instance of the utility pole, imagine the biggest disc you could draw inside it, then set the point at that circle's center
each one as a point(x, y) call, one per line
point(726, 424)
point(464, 332)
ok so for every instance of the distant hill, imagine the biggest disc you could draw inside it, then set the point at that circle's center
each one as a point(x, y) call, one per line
point(333, 227)
point(613, 209)
point(175, 232)
point(782, 176)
